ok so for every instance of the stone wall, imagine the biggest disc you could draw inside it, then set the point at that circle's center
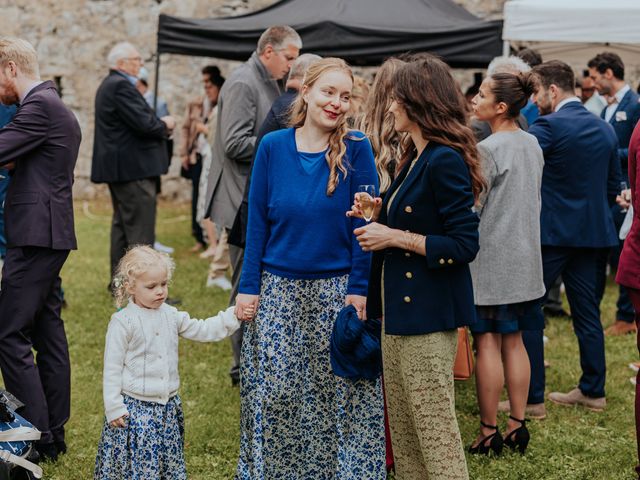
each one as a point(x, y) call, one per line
point(73, 37)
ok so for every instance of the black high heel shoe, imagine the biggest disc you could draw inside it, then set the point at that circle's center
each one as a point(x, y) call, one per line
point(495, 442)
point(518, 439)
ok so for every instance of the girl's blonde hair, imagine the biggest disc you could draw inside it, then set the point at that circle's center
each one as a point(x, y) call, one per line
point(135, 262)
point(378, 123)
point(337, 146)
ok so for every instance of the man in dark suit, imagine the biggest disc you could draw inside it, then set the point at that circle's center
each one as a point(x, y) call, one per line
point(41, 146)
point(579, 184)
point(129, 152)
point(623, 112)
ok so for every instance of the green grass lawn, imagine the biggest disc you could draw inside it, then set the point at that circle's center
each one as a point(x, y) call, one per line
point(571, 443)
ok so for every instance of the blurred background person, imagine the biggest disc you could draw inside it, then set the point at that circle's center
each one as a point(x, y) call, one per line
point(622, 112)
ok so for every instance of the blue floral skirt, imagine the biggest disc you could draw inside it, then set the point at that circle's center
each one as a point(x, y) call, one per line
point(150, 447)
point(299, 421)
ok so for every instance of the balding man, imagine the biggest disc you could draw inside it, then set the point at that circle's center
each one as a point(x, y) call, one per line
point(244, 101)
point(41, 143)
point(129, 152)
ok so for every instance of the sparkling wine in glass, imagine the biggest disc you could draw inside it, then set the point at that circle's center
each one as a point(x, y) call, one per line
point(366, 196)
point(623, 194)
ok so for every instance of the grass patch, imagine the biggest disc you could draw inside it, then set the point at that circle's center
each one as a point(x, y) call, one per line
point(571, 443)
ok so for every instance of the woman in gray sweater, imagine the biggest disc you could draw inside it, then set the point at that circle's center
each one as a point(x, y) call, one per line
point(507, 273)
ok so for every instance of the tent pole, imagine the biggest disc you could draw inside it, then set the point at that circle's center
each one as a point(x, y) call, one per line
point(157, 81)
point(506, 49)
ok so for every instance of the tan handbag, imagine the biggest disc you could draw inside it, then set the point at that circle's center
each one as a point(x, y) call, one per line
point(463, 365)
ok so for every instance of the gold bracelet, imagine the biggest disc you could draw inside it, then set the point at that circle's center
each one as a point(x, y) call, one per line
point(412, 241)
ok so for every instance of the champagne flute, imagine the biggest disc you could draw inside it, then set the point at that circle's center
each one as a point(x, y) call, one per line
point(623, 189)
point(366, 196)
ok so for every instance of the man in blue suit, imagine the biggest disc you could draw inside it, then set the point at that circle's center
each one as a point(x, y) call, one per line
point(579, 184)
point(623, 112)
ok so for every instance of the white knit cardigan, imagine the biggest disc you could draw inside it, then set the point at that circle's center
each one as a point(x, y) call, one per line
point(141, 352)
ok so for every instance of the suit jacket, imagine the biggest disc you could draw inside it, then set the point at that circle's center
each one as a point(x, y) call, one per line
point(130, 141)
point(432, 294)
point(43, 140)
point(277, 119)
point(624, 120)
point(629, 265)
point(243, 103)
point(580, 180)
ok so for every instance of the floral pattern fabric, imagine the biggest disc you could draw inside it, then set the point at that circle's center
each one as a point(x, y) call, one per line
point(150, 447)
point(299, 420)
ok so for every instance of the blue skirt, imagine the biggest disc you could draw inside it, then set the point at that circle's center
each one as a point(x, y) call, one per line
point(150, 447)
point(511, 318)
point(297, 419)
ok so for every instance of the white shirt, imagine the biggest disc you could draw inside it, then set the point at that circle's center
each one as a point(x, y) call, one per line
point(611, 108)
point(141, 352)
point(28, 90)
point(565, 101)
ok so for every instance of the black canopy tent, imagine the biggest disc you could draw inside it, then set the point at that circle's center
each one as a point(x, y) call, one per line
point(363, 32)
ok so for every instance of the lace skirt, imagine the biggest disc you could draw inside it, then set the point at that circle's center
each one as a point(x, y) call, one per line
point(297, 419)
point(150, 447)
point(418, 382)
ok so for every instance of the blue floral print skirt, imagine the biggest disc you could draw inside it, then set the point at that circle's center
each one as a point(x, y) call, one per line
point(298, 420)
point(150, 447)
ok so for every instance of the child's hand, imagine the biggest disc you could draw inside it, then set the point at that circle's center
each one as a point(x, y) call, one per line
point(119, 422)
point(246, 306)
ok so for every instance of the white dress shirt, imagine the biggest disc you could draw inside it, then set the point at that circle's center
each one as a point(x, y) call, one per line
point(613, 106)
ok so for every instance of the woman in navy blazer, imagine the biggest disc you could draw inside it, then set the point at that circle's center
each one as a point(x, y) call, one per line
point(425, 236)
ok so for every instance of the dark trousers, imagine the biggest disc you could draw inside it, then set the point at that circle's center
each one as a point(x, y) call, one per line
point(4, 184)
point(579, 268)
point(134, 216)
point(236, 257)
point(194, 173)
point(634, 296)
point(30, 304)
point(624, 307)
point(554, 298)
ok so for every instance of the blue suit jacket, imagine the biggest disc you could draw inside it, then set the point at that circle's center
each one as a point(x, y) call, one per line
point(623, 124)
point(432, 294)
point(580, 180)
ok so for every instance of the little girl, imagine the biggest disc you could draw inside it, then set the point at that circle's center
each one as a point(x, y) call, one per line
point(143, 434)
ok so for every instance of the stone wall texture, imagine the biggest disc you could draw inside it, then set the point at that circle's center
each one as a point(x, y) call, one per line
point(73, 37)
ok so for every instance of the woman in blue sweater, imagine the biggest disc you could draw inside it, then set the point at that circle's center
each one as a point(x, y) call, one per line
point(425, 236)
point(302, 265)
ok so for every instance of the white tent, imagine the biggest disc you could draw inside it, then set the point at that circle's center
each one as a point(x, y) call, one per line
point(574, 30)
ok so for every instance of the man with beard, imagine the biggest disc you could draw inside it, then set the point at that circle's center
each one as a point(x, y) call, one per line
point(41, 146)
point(579, 184)
point(622, 112)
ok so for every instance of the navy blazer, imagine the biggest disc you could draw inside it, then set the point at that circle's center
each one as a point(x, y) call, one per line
point(129, 139)
point(432, 294)
point(43, 140)
point(623, 124)
point(580, 180)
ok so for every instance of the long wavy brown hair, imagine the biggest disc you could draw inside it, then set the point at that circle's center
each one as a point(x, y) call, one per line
point(432, 99)
point(378, 122)
point(337, 146)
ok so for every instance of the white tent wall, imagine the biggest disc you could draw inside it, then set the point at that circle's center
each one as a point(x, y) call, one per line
point(574, 31)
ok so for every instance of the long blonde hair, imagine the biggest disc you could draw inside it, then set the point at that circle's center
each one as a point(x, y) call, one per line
point(378, 124)
point(133, 264)
point(337, 146)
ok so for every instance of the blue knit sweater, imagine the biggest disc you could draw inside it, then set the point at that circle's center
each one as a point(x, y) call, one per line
point(295, 230)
